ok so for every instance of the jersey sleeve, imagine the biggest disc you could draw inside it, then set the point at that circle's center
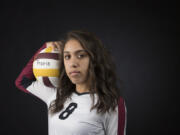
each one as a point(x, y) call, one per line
point(122, 117)
point(115, 121)
point(28, 83)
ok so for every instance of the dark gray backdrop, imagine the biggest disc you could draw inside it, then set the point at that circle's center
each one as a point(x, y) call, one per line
point(140, 35)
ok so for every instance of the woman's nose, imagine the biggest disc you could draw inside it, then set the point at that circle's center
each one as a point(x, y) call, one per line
point(74, 63)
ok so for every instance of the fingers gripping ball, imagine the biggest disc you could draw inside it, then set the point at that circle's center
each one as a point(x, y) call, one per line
point(46, 67)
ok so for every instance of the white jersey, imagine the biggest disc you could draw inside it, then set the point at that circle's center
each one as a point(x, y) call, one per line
point(75, 118)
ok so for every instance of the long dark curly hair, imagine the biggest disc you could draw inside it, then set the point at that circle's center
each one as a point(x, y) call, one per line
point(101, 70)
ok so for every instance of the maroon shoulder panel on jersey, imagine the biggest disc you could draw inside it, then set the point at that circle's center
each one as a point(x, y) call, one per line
point(121, 116)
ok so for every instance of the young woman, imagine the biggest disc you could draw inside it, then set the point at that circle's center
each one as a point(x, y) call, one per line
point(87, 101)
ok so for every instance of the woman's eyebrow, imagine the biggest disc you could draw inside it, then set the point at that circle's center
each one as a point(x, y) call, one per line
point(77, 51)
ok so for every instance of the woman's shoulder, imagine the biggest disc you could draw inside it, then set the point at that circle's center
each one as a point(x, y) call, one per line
point(121, 100)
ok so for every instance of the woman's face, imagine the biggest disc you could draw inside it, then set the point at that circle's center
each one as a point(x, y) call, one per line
point(76, 62)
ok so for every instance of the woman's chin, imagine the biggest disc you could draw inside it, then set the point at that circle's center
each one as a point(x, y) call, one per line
point(75, 81)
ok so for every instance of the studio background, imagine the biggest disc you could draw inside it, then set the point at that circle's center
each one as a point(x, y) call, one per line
point(141, 37)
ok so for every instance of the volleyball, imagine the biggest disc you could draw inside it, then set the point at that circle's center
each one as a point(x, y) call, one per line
point(46, 67)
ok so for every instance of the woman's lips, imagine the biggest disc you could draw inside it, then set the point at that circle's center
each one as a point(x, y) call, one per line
point(74, 73)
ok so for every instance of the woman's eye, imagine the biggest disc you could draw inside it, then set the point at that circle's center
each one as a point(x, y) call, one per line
point(66, 57)
point(81, 55)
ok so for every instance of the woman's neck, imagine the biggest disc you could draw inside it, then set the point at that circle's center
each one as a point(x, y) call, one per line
point(80, 88)
point(84, 87)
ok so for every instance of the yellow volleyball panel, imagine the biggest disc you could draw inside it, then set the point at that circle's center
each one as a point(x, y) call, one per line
point(46, 72)
point(48, 49)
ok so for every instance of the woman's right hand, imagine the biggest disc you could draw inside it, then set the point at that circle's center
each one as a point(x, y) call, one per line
point(56, 45)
